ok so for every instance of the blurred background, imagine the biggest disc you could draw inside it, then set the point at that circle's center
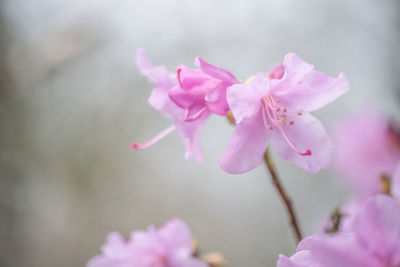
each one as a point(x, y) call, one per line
point(72, 101)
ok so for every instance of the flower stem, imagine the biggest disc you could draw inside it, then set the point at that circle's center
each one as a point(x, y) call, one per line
point(282, 193)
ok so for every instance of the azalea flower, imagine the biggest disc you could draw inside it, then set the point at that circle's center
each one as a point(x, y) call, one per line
point(372, 241)
point(169, 246)
point(348, 212)
point(276, 110)
point(367, 150)
point(202, 92)
point(160, 100)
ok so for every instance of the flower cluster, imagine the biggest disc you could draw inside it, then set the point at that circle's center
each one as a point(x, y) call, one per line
point(365, 231)
point(268, 109)
point(373, 240)
point(169, 246)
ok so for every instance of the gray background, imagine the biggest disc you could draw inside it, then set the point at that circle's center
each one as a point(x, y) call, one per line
point(72, 101)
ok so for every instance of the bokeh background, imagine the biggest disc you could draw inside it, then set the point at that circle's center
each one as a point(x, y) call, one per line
point(72, 101)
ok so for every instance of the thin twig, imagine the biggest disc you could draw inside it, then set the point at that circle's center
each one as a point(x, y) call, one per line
point(282, 193)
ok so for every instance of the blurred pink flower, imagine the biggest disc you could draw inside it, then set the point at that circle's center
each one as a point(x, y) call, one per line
point(160, 100)
point(276, 110)
point(202, 92)
point(169, 246)
point(366, 148)
point(372, 241)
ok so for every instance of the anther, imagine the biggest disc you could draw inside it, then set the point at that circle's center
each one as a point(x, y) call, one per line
point(291, 122)
point(284, 110)
point(299, 113)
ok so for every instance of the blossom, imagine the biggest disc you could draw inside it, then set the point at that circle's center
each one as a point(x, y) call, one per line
point(169, 246)
point(367, 150)
point(349, 210)
point(160, 100)
point(277, 110)
point(372, 241)
point(202, 91)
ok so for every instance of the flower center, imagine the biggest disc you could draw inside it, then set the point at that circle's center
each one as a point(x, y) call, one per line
point(275, 116)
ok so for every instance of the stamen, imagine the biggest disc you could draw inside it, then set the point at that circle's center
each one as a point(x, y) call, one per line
point(271, 111)
point(155, 139)
point(265, 119)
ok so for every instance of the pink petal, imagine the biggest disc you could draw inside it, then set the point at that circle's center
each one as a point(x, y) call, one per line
point(157, 74)
point(377, 226)
point(216, 72)
point(307, 133)
point(337, 250)
point(164, 80)
point(245, 99)
point(300, 259)
point(247, 146)
point(192, 101)
point(191, 78)
point(277, 72)
point(176, 234)
point(363, 140)
point(305, 89)
point(115, 246)
point(190, 132)
point(216, 99)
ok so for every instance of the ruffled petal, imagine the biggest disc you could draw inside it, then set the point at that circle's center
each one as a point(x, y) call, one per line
point(245, 99)
point(164, 80)
point(115, 246)
point(216, 72)
point(156, 74)
point(176, 234)
point(190, 132)
point(337, 250)
point(192, 101)
point(302, 88)
point(377, 226)
point(216, 99)
point(300, 259)
point(307, 133)
point(247, 146)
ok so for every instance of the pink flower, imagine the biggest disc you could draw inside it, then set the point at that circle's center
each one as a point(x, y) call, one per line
point(351, 207)
point(373, 240)
point(169, 246)
point(160, 100)
point(276, 110)
point(367, 148)
point(202, 91)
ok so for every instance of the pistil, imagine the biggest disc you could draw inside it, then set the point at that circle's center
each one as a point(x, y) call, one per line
point(155, 139)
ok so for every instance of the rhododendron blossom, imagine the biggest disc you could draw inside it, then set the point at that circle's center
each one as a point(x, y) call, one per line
point(202, 91)
point(275, 110)
point(169, 246)
point(372, 241)
point(367, 150)
point(160, 100)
